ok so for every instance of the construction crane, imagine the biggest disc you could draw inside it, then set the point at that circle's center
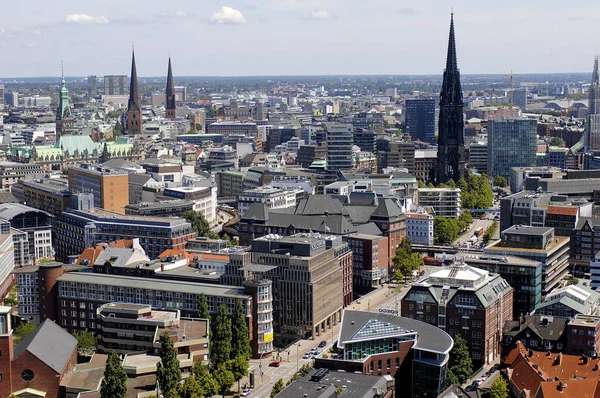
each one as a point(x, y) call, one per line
point(512, 89)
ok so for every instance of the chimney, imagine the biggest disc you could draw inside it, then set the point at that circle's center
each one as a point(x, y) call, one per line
point(561, 386)
point(535, 366)
point(585, 359)
point(558, 359)
point(162, 267)
point(530, 352)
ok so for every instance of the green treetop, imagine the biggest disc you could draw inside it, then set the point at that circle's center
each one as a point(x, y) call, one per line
point(114, 383)
point(168, 372)
point(220, 349)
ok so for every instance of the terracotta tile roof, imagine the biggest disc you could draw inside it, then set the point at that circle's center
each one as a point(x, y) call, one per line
point(579, 388)
point(524, 378)
point(210, 256)
point(514, 354)
point(174, 253)
point(562, 210)
point(90, 254)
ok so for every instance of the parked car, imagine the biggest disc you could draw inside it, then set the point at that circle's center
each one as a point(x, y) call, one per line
point(245, 392)
point(322, 344)
point(307, 355)
point(274, 364)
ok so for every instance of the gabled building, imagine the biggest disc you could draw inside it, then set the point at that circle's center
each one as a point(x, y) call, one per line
point(536, 332)
point(568, 301)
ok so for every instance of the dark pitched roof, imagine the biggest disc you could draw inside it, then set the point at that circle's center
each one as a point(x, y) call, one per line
point(49, 343)
point(257, 211)
point(551, 328)
point(388, 209)
point(319, 205)
point(139, 178)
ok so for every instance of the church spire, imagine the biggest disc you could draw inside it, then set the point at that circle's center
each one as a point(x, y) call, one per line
point(170, 94)
point(64, 121)
point(134, 110)
point(451, 90)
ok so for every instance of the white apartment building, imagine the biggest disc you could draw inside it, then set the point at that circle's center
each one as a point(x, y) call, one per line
point(419, 227)
point(445, 202)
point(204, 198)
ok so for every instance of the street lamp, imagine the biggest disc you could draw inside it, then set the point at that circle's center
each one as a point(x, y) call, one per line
point(260, 365)
point(297, 357)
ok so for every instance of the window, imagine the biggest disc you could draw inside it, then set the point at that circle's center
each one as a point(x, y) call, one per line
point(27, 375)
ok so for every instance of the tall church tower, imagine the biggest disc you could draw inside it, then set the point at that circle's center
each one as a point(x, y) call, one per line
point(134, 110)
point(64, 120)
point(451, 145)
point(170, 94)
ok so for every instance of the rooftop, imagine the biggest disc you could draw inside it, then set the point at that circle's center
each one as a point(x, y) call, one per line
point(353, 385)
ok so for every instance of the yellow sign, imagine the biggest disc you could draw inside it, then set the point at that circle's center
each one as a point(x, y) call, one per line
point(268, 337)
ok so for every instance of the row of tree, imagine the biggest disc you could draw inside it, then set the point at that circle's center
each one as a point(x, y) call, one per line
point(476, 191)
point(405, 261)
point(446, 230)
point(489, 233)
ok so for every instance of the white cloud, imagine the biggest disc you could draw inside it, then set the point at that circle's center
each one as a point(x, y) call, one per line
point(319, 15)
point(173, 14)
point(227, 16)
point(86, 19)
point(407, 11)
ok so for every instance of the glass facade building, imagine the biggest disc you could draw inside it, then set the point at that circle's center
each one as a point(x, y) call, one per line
point(511, 143)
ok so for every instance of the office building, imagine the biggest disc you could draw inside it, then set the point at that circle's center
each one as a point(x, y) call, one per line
point(7, 258)
point(203, 197)
point(92, 82)
point(413, 353)
point(478, 156)
point(226, 129)
point(180, 93)
point(365, 140)
point(419, 226)
point(467, 301)
point(36, 224)
point(339, 146)
point(274, 198)
point(511, 143)
point(525, 178)
point(445, 202)
point(11, 172)
point(451, 146)
point(420, 119)
point(85, 226)
point(109, 186)
point(137, 328)
point(229, 183)
point(520, 98)
point(115, 85)
point(537, 244)
point(370, 260)
point(397, 153)
point(164, 208)
point(45, 194)
point(569, 301)
point(524, 275)
point(307, 154)
point(11, 98)
point(304, 265)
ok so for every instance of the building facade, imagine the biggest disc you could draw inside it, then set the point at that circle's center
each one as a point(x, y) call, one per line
point(109, 186)
point(445, 202)
point(420, 119)
point(511, 143)
point(339, 146)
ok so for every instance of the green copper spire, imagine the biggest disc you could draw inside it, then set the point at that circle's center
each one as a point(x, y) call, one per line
point(64, 110)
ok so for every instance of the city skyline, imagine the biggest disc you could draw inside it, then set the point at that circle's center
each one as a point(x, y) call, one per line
point(290, 37)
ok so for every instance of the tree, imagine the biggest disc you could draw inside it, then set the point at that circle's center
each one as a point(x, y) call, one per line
point(203, 307)
point(114, 383)
point(405, 261)
point(207, 383)
point(168, 372)
point(500, 181)
point(238, 366)
point(117, 130)
point(190, 389)
point(220, 349)
point(22, 331)
point(198, 221)
point(572, 281)
point(557, 141)
point(445, 230)
point(86, 342)
point(476, 192)
point(224, 378)
point(240, 342)
point(11, 298)
point(499, 389)
point(277, 387)
point(430, 185)
point(305, 369)
point(460, 366)
point(489, 233)
point(466, 218)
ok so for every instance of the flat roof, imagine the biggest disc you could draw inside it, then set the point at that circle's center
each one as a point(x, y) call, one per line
point(155, 284)
point(527, 230)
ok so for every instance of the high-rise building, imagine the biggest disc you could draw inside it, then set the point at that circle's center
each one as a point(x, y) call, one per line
point(339, 146)
point(134, 109)
point(420, 119)
point(170, 94)
point(180, 93)
point(11, 98)
point(592, 129)
point(451, 145)
point(1, 94)
point(92, 85)
point(115, 85)
point(520, 98)
point(64, 121)
point(110, 187)
point(511, 143)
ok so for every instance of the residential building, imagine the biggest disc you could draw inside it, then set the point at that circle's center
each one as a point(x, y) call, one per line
point(425, 165)
point(583, 335)
point(370, 259)
point(571, 300)
point(109, 186)
point(203, 197)
point(478, 156)
point(536, 332)
point(414, 353)
point(397, 153)
point(419, 227)
point(339, 146)
point(165, 208)
point(445, 202)
point(466, 301)
point(226, 129)
point(511, 143)
point(84, 226)
point(420, 119)
point(537, 244)
point(304, 265)
point(11, 172)
point(524, 275)
point(131, 328)
point(115, 85)
point(37, 364)
point(274, 198)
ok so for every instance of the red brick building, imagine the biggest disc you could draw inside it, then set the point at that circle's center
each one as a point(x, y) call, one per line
point(370, 259)
point(36, 366)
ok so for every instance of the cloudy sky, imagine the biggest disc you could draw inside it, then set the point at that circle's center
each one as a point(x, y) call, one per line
point(295, 37)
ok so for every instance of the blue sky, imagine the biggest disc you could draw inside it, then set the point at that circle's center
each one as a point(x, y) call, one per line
point(295, 37)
